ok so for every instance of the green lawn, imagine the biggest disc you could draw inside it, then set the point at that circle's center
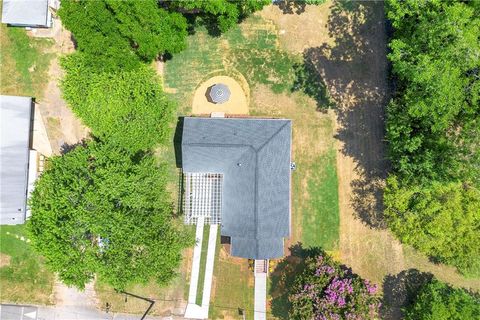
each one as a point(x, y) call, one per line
point(249, 50)
point(203, 262)
point(24, 62)
point(233, 287)
point(321, 221)
point(23, 276)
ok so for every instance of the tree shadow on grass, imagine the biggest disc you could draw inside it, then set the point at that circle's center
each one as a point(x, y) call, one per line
point(291, 6)
point(354, 69)
point(400, 291)
point(309, 81)
point(283, 277)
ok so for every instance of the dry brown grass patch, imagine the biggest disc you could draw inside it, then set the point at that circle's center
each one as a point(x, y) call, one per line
point(4, 260)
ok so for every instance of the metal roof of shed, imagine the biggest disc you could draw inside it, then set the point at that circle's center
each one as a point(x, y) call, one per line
point(26, 13)
point(15, 119)
point(254, 157)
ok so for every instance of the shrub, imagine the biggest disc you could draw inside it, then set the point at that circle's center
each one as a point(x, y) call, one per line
point(124, 30)
point(442, 220)
point(326, 290)
point(438, 301)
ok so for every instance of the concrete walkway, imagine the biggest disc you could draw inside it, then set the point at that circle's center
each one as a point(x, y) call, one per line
point(260, 306)
point(207, 286)
point(193, 310)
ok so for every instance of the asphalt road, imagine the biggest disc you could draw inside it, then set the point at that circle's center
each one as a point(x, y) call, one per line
point(25, 312)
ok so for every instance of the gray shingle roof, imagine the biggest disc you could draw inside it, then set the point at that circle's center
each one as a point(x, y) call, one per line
point(26, 13)
point(254, 156)
point(15, 115)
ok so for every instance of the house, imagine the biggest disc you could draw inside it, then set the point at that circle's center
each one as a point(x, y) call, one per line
point(237, 174)
point(17, 162)
point(27, 13)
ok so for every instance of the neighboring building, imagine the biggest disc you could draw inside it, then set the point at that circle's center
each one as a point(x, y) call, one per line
point(237, 174)
point(16, 173)
point(27, 13)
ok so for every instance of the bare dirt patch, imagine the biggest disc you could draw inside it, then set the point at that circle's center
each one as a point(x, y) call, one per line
point(298, 32)
point(63, 127)
point(4, 260)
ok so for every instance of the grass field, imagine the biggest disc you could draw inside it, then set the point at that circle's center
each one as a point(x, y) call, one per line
point(322, 226)
point(23, 276)
point(24, 62)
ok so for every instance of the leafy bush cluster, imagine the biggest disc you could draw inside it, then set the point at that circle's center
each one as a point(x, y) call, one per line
point(438, 301)
point(325, 290)
point(433, 129)
point(127, 107)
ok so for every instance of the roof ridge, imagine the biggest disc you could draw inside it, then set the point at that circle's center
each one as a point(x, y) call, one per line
point(273, 135)
point(255, 212)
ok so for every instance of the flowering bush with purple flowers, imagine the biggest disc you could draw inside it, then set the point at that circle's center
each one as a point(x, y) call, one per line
point(327, 291)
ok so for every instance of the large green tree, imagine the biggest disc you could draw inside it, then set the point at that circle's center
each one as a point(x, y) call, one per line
point(101, 210)
point(438, 301)
point(119, 33)
point(219, 15)
point(435, 59)
point(442, 220)
point(126, 107)
point(433, 129)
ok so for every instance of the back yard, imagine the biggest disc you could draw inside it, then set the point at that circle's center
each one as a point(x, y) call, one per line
point(326, 69)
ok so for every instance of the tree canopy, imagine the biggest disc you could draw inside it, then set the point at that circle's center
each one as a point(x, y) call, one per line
point(119, 33)
point(127, 107)
point(101, 210)
point(433, 129)
point(441, 220)
point(219, 15)
point(435, 59)
point(438, 301)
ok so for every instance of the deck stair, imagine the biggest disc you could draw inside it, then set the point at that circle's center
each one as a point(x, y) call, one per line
point(261, 267)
